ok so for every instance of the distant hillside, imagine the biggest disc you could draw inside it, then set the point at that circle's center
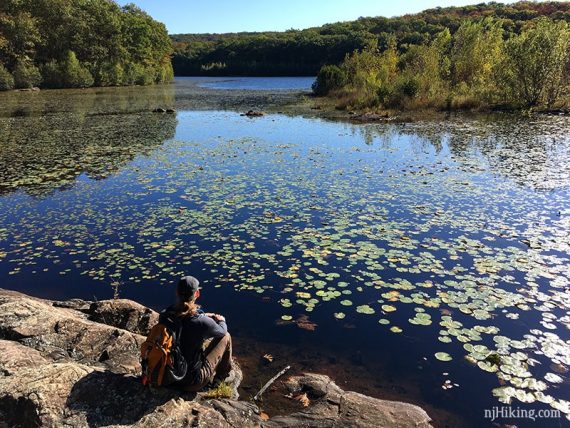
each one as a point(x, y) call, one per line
point(303, 52)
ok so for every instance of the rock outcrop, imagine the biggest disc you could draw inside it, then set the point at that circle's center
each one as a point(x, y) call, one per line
point(76, 364)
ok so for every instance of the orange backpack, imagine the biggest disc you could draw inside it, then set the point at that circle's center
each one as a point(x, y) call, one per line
point(161, 357)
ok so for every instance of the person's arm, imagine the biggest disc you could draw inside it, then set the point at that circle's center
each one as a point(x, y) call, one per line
point(214, 328)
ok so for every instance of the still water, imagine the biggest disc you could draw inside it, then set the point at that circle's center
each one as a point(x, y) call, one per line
point(253, 83)
point(425, 262)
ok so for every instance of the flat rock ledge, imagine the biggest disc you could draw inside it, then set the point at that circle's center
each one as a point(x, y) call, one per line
point(75, 364)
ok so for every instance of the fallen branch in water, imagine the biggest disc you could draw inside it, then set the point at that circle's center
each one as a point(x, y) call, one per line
point(257, 396)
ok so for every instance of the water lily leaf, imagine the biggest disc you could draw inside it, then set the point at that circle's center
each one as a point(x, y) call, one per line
point(443, 356)
point(365, 309)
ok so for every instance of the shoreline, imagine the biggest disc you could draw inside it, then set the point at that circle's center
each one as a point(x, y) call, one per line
point(188, 95)
point(62, 359)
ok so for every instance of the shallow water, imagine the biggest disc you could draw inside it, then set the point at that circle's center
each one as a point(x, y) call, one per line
point(374, 252)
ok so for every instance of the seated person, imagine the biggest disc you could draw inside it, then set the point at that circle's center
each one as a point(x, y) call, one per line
point(209, 365)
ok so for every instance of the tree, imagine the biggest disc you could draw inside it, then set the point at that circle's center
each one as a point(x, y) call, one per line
point(105, 40)
point(19, 37)
point(536, 62)
point(73, 74)
point(26, 75)
point(306, 51)
point(476, 51)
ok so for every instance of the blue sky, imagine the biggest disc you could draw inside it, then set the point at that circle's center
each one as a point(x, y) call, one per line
point(224, 16)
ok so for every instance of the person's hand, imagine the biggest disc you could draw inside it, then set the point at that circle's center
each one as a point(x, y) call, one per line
point(216, 317)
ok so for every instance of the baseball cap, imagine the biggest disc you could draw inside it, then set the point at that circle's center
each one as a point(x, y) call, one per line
point(188, 285)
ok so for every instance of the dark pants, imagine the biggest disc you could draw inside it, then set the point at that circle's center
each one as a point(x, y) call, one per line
point(217, 363)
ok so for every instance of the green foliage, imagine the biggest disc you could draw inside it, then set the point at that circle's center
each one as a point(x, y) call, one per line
point(475, 51)
point(19, 34)
point(537, 62)
point(304, 52)
point(26, 75)
point(109, 74)
point(51, 75)
point(6, 79)
point(67, 73)
point(104, 39)
point(330, 78)
point(474, 68)
point(73, 74)
point(223, 390)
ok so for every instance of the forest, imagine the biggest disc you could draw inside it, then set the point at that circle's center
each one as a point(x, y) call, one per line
point(80, 43)
point(304, 52)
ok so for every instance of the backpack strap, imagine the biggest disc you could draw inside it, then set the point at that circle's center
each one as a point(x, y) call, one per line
point(174, 323)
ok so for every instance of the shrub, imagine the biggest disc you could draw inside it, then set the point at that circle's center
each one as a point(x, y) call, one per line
point(6, 79)
point(26, 75)
point(330, 78)
point(409, 87)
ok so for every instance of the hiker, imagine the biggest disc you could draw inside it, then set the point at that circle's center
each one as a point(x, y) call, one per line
point(214, 363)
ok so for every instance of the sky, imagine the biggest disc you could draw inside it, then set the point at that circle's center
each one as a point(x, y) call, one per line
point(227, 16)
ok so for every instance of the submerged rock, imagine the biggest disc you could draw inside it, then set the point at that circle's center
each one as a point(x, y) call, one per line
point(76, 364)
point(253, 113)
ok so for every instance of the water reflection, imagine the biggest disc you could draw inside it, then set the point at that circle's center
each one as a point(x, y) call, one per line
point(423, 239)
point(64, 135)
point(534, 153)
point(82, 102)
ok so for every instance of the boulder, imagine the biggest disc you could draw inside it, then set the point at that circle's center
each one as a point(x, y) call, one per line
point(330, 406)
point(124, 314)
point(62, 334)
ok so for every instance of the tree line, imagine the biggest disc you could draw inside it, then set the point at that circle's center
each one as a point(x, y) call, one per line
point(481, 65)
point(80, 43)
point(304, 52)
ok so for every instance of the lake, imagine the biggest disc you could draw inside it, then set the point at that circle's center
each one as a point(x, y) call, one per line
point(426, 262)
point(253, 83)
